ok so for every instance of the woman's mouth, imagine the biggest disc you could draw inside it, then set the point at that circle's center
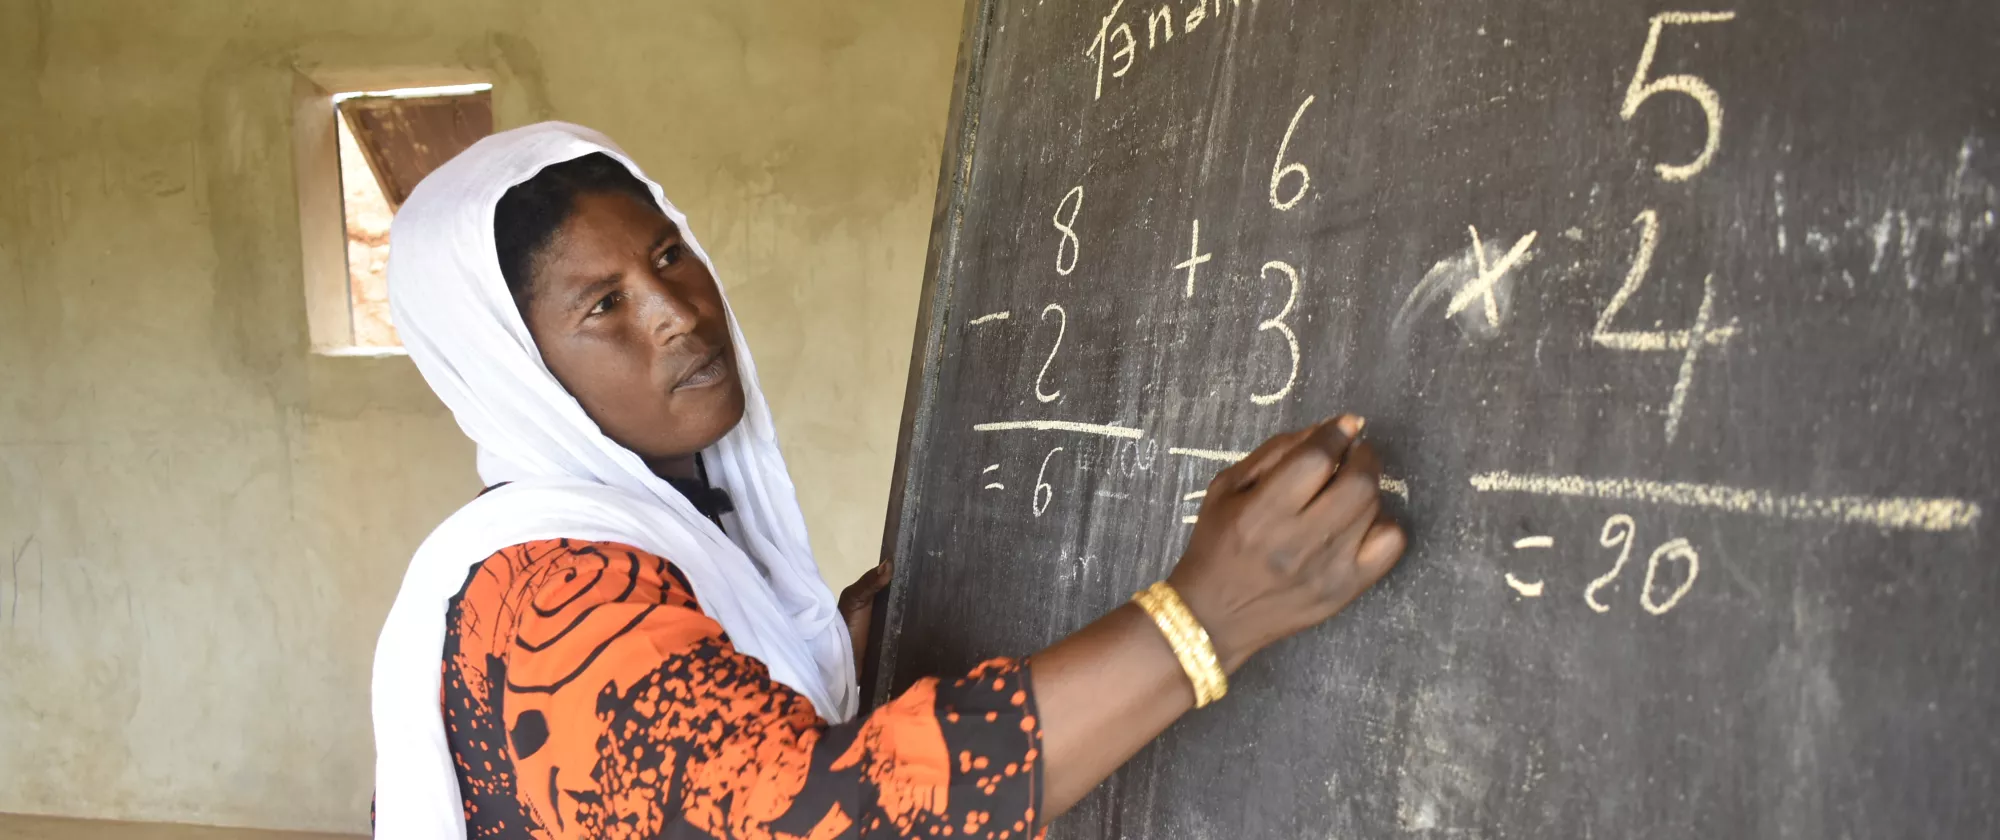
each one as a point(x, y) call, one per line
point(711, 369)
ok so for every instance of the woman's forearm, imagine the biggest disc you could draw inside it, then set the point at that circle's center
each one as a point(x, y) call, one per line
point(1102, 693)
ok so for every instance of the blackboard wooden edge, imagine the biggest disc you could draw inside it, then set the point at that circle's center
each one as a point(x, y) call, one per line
point(947, 220)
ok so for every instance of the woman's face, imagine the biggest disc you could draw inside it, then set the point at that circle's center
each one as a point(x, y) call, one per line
point(632, 325)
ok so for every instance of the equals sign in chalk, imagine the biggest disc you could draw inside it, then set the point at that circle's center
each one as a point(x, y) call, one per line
point(995, 485)
point(1529, 589)
point(1196, 495)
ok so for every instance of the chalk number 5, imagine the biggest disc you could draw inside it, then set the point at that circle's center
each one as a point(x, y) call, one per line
point(1711, 104)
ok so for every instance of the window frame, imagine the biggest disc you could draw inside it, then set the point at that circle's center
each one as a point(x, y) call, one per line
point(321, 207)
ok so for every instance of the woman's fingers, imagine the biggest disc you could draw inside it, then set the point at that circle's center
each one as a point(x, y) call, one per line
point(1304, 470)
point(1381, 547)
point(1253, 466)
point(1287, 537)
point(861, 592)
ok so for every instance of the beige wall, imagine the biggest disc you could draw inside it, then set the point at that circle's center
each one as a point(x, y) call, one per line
point(201, 524)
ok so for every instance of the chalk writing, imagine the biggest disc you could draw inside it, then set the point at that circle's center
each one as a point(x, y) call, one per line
point(1523, 588)
point(1711, 104)
point(1106, 430)
point(1115, 48)
point(1195, 259)
point(1696, 338)
point(1905, 514)
point(1277, 322)
point(1069, 246)
point(1101, 48)
point(1134, 457)
point(1280, 170)
point(1393, 486)
point(1481, 286)
point(1643, 340)
point(991, 317)
point(1689, 341)
point(1043, 492)
point(1062, 326)
point(1223, 455)
point(1618, 531)
point(1675, 549)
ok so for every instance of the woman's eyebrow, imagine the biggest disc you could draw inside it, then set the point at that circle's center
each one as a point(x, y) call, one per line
point(588, 293)
point(666, 233)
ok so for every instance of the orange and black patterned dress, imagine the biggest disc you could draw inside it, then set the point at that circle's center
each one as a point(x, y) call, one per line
point(586, 695)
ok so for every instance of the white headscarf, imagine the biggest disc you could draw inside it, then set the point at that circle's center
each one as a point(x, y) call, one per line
point(459, 321)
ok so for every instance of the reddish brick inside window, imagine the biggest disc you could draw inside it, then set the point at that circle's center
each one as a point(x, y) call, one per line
point(388, 142)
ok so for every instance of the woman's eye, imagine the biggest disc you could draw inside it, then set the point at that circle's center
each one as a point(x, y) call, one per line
point(668, 257)
point(605, 305)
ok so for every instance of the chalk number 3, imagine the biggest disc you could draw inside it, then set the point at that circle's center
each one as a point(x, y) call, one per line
point(1284, 330)
point(1711, 104)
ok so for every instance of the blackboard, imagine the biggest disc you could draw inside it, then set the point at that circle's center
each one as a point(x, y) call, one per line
point(1678, 325)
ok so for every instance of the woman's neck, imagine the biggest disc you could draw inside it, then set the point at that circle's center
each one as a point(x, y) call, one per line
point(683, 467)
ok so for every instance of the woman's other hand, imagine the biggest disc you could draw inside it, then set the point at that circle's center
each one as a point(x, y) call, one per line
point(857, 606)
point(1287, 538)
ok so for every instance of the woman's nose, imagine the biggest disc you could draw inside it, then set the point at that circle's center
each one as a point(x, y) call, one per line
point(668, 312)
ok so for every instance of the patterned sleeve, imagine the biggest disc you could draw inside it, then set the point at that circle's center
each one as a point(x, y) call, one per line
point(587, 696)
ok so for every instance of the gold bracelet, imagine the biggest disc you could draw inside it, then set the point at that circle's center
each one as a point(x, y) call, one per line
point(1188, 639)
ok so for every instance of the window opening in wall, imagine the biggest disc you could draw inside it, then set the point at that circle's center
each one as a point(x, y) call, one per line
point(387, 142)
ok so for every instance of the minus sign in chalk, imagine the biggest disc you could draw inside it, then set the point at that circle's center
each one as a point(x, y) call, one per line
point(1535, 542)
point(996, 486)
point(996, 316)
point(1198, 494)
point(1190, 520)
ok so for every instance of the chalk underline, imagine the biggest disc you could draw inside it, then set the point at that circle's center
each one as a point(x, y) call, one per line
point(1896, 513)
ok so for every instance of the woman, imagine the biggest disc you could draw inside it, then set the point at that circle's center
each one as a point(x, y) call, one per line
point(626, 635)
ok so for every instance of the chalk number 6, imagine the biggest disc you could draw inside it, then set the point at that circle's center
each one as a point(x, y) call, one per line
point(1711, 105)
point(1280, 169)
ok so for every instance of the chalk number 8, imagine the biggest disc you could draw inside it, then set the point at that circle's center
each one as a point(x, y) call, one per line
point(1711, 104)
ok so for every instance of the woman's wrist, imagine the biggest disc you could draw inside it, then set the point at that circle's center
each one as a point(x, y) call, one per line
point(1232, 646)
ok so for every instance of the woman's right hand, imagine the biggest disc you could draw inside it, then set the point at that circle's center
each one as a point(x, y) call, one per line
point(1287, 538)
